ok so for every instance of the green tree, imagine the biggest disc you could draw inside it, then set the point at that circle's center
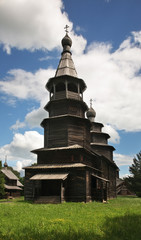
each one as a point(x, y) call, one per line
point(2, 192)
point(135, 179)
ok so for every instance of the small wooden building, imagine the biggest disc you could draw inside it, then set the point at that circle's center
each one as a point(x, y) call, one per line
point(122, 188)
point(13, 186)
point(76, 162)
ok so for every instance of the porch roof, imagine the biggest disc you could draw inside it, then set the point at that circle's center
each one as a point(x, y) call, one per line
point(103, 179)
point(12, 187)
point(49, 176)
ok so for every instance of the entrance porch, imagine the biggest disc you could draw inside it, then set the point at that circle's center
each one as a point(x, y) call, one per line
point(48, 188)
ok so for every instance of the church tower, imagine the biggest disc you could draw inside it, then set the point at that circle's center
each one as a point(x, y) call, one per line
point(66, 124)
point(76, 162)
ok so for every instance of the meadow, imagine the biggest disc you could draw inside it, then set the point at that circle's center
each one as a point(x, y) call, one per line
point(119, 219)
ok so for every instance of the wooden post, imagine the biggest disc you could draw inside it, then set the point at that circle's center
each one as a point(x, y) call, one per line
point(61, 195)
point(102, 194)
point(66, 83)
point(106, 191)
point(33, 189)
point(54, 91)
point(78, 89)
point(88, 195)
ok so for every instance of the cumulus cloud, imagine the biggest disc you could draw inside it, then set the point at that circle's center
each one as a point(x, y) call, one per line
point(21, 145)
point(123, 160)
point(26, 85)
point(34, 118)
point(34, 25)
point(18, 151)
point(17, 125)
point(114, 81)
point(112, 76)
point(114, 136)
point(21, 164)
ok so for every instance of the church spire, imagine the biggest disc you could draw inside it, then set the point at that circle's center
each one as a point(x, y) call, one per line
point(66, 64)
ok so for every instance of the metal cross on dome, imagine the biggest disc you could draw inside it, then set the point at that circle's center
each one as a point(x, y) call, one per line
point(91, 101)
point(66, 28)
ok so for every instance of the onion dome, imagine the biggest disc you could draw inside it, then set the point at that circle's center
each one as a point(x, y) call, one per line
point(5, 164)
point(66, 43)
point(91, 113)
point(66, 40)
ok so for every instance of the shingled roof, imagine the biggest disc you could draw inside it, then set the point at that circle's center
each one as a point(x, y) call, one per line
point(9, 174)
point(66, 64)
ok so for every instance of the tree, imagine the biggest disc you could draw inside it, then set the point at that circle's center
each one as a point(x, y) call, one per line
point(135, 179)
point(2, 192)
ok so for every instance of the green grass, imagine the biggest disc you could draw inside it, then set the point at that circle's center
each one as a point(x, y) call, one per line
point(119, 219)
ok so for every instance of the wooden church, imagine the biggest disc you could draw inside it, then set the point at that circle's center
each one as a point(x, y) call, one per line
point(13, 187)
point(76, 162)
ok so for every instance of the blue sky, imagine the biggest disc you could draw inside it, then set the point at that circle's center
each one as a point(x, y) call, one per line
point(106, 49)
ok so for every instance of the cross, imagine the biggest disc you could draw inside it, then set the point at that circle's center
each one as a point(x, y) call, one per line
point(91, 100)
point(66, 28)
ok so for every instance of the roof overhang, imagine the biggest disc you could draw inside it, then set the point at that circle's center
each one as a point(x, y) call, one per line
point(100, 178)
point(56, 166)
point(64, 77)
point(49, 177)
point(9, 174)
point(12, 187)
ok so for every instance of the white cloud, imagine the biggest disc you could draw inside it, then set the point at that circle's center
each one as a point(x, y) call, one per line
point(35, 117)
point(31, 24)
point(21, 164)
point(122, 176)
point(26, 85)
point(113, 79)
point(32, 119)
point(79, 29)
point(123, 160)
point(21, 145)
point(17, 125)
point(114, 136)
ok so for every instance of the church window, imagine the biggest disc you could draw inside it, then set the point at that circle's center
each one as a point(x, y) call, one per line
point(60, 87)
point(72, 87)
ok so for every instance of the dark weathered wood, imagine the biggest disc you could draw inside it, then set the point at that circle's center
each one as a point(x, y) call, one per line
point(70, 138)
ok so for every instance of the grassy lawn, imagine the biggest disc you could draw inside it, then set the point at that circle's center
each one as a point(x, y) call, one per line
point(119, 219)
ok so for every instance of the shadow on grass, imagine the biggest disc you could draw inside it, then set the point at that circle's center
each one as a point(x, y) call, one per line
point(127, 227)
point(127, 196)
point(118, 228)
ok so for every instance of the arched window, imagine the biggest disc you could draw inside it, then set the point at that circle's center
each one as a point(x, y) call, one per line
point(72, 87)
point(60, 87)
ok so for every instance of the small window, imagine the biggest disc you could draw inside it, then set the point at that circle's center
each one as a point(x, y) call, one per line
point(60, 87)
point(72, 87)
